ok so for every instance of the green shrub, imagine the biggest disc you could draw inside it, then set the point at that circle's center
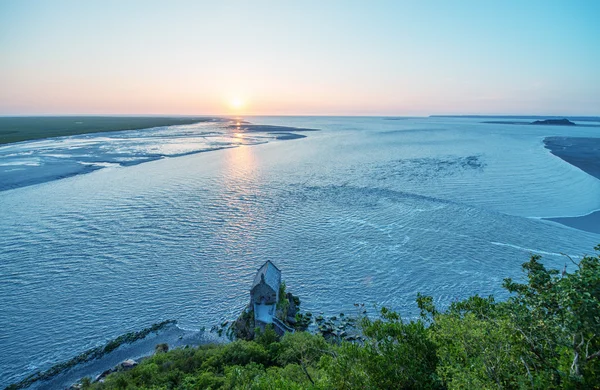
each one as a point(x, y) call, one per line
point(545, 336)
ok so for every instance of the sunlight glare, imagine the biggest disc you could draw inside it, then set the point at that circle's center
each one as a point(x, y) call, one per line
point(236, 103)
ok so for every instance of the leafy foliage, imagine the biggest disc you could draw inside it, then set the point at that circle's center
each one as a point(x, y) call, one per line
point(546, 336)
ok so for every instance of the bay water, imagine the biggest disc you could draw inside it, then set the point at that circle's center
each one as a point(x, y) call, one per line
point(367, 210)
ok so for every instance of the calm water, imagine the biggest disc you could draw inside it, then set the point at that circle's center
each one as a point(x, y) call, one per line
point(366, 210)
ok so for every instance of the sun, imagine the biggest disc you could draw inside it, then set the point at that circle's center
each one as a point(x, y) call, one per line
point(236, 103)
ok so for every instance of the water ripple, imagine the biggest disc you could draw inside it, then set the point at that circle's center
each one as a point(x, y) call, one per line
point(88, 258)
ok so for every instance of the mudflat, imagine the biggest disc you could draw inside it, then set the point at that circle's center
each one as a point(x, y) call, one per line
point(25, 128)
point(584, 153)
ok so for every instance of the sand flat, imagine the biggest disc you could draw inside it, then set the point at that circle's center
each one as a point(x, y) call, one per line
point(584, 153)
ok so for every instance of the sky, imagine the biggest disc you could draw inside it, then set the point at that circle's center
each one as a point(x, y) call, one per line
point(296, 57)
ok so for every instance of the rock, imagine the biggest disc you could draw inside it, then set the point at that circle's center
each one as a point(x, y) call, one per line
point(161, 348)
point(123, 366)
point(243, 327)
point(104, 374)
point(294, 305)
point(325, 329)
point(224, 323)
point(129, 363)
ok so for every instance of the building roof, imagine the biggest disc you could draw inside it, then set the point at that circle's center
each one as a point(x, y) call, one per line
point(271, 273)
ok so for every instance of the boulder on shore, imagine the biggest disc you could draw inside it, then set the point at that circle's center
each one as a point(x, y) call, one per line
point(123, 366)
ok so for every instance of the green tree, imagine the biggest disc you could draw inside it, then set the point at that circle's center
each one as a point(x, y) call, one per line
point(395, 355)
point(558, 319)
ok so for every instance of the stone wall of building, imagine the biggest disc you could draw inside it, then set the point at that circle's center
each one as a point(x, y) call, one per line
point(262, 290)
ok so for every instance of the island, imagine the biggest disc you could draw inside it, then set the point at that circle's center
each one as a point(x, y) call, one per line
point(554, 122)
point(543, 122)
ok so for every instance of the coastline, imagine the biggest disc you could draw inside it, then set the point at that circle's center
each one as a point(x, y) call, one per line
point(583, 153)
point(28, 128)
point(589, 222)
point(52, 158)
point(77, 368)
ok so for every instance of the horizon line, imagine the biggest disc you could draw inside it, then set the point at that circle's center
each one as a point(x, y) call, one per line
point(302, 115)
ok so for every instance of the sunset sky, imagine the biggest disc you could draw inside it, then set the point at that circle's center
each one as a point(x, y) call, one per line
point(300, 57)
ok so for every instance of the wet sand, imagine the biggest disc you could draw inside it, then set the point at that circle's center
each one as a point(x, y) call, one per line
point(588, 223)
point(584, 153)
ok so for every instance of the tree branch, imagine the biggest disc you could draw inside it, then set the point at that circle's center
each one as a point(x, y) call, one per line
point(306, 372)
point(593, 356)
point(572, 261)
point(528, 372)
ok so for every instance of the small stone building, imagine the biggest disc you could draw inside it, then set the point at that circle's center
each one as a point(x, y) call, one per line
point(264, 293)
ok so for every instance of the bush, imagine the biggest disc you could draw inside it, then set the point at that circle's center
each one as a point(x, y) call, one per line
point(546, 336)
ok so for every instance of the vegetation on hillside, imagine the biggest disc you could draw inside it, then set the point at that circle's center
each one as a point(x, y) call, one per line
point(546, 336)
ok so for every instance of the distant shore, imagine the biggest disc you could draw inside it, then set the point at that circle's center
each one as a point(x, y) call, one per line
point(584, 153)
point(530, 117)
point(27, 128)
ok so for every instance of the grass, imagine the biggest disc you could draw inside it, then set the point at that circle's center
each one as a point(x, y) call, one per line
point(15, 129)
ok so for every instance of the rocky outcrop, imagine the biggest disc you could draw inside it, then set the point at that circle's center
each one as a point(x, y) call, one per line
point(287, 312)
point(342, 327)
point(123, 366)
point(243, 327)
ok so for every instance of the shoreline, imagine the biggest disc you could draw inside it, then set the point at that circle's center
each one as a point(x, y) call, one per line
point(73, 370)
point(29, 128)
point(24, 173)
point(583, 153)
point(589, 222)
